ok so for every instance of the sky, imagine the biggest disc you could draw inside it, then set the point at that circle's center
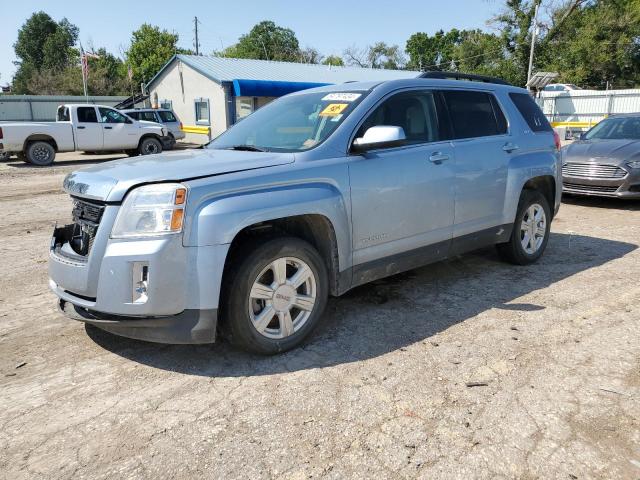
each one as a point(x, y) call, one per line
point(328, 25)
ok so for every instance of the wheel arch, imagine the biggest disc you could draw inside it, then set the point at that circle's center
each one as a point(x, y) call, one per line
point(315, 213)
point(545, 184)
point(40, 137)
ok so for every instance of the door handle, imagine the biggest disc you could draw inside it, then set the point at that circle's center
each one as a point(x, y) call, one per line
point(510, 147)
point(438, 157)
point(80, 127)
point(108, 128)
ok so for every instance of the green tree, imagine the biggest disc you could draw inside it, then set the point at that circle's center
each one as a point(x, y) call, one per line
point(43, 44)
point(598, 45)
point(150, 49)
point(432, 52)
point(266, 41)
point(334, 60)
point(378, 55)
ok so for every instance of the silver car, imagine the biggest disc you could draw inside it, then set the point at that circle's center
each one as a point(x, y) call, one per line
point(163, 116)
point(606, 159)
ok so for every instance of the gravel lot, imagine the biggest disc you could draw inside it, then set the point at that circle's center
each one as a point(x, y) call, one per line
point(380, 391)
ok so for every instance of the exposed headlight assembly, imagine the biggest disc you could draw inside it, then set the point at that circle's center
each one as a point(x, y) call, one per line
point(151, 210)
point(634, 164)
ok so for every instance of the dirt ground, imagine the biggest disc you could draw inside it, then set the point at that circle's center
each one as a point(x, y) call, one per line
point(380, 391)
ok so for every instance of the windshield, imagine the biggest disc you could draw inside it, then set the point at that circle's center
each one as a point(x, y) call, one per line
point(627, 128)
point(291, 124)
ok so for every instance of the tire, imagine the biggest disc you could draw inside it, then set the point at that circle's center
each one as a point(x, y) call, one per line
point(150, 146)
point(41, 154)
point(255, 319)
point(532, 203)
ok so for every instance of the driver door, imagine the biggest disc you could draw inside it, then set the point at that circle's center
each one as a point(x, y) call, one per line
point(402, 197)
point(88, 131)
point(118, 134)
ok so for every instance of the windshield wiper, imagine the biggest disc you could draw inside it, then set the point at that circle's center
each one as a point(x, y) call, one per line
point(247, 148)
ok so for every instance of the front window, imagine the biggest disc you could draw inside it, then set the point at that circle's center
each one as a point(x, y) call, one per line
point(291, 124)
point(111, 116)
point(621, 128)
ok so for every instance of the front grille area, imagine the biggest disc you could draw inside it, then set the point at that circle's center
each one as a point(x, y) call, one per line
point(593, 170)
point(86, 218)
point(589, 188)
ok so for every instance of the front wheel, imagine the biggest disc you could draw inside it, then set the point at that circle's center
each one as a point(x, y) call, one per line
point(530, 230)
point(150, 146)
point(41, 154)
point(274, 296)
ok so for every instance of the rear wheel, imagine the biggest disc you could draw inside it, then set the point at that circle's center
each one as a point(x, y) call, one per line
point(275, 295)
point(530, 230)
point(150, 146)
point(40, 154)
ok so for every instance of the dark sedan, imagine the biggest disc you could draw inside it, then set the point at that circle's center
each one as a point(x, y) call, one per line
point(606, 159)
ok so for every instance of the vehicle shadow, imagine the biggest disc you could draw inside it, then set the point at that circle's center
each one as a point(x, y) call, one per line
point(389, 314)
point(14, 163)
point(601, 202)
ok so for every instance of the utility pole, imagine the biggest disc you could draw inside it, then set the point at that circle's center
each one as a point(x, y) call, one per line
point(197, 44)
point(533, 40)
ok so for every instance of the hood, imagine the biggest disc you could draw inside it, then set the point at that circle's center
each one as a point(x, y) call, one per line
point(110, 181)
point(613, 152)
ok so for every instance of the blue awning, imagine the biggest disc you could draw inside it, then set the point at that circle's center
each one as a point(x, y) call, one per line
point(267, 88)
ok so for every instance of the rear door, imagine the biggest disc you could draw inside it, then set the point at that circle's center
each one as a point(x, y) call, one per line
point(483, 148)
point(118, 134)
point(89, 134)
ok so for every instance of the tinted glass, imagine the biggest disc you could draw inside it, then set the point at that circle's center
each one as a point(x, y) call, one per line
point(134, 115)
point(147, 116)
point(111, 116)
point(501, 120)
point(293, 123)
point(63, 114)
point(167, 116)
point(621, 128)
point(531, 112)
point(415, 112)
point(87, 115)
point(472, 114)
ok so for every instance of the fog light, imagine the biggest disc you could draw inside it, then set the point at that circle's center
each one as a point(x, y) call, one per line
point(140, 284)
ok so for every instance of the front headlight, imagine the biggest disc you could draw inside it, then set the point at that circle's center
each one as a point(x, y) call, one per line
point(151, 210)
point(634, 164)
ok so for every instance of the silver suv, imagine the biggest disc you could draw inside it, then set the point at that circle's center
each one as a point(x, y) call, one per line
point(163, 116)
point(314, 194)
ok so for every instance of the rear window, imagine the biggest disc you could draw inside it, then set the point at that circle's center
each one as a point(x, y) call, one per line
point(167, 116)
point(531, 112)
point(63, 114)
point(474, 114)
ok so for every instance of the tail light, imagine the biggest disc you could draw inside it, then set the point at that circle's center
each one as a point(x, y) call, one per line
point(556, 139)
point(1, 134)
point(180, 125)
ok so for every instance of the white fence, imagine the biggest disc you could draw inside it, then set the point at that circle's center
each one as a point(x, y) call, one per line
point(42, 108)
point(588, 106)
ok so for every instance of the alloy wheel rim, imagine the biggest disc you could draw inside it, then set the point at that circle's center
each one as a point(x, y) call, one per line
point(151, 148)
point(282, 298)
point(533, 229)
point(41, 154)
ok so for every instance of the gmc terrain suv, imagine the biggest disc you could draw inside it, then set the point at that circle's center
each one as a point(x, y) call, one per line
point(316, 193)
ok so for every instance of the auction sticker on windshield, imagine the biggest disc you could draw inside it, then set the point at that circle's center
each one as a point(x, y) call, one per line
point(333, 109)
point(341, 97)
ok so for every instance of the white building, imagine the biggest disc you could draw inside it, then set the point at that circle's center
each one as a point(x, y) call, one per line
point(215, 92)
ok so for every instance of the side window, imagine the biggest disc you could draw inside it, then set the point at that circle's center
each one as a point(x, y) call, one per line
point(531, 112)
point(414, 111)
point(108, 115)
point(202, 111)
point(148, 116)
point(473, 114)
point(167, 116)
point(134, 115)
point(87, 115)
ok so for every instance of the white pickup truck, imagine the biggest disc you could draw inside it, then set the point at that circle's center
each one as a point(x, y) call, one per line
point(80, 127)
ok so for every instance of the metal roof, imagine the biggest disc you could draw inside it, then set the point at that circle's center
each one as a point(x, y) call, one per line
point(220, 69)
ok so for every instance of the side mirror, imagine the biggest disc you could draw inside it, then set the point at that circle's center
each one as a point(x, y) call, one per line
point(380, 136)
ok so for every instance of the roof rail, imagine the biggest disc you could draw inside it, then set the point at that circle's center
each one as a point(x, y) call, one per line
point(463, 76)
